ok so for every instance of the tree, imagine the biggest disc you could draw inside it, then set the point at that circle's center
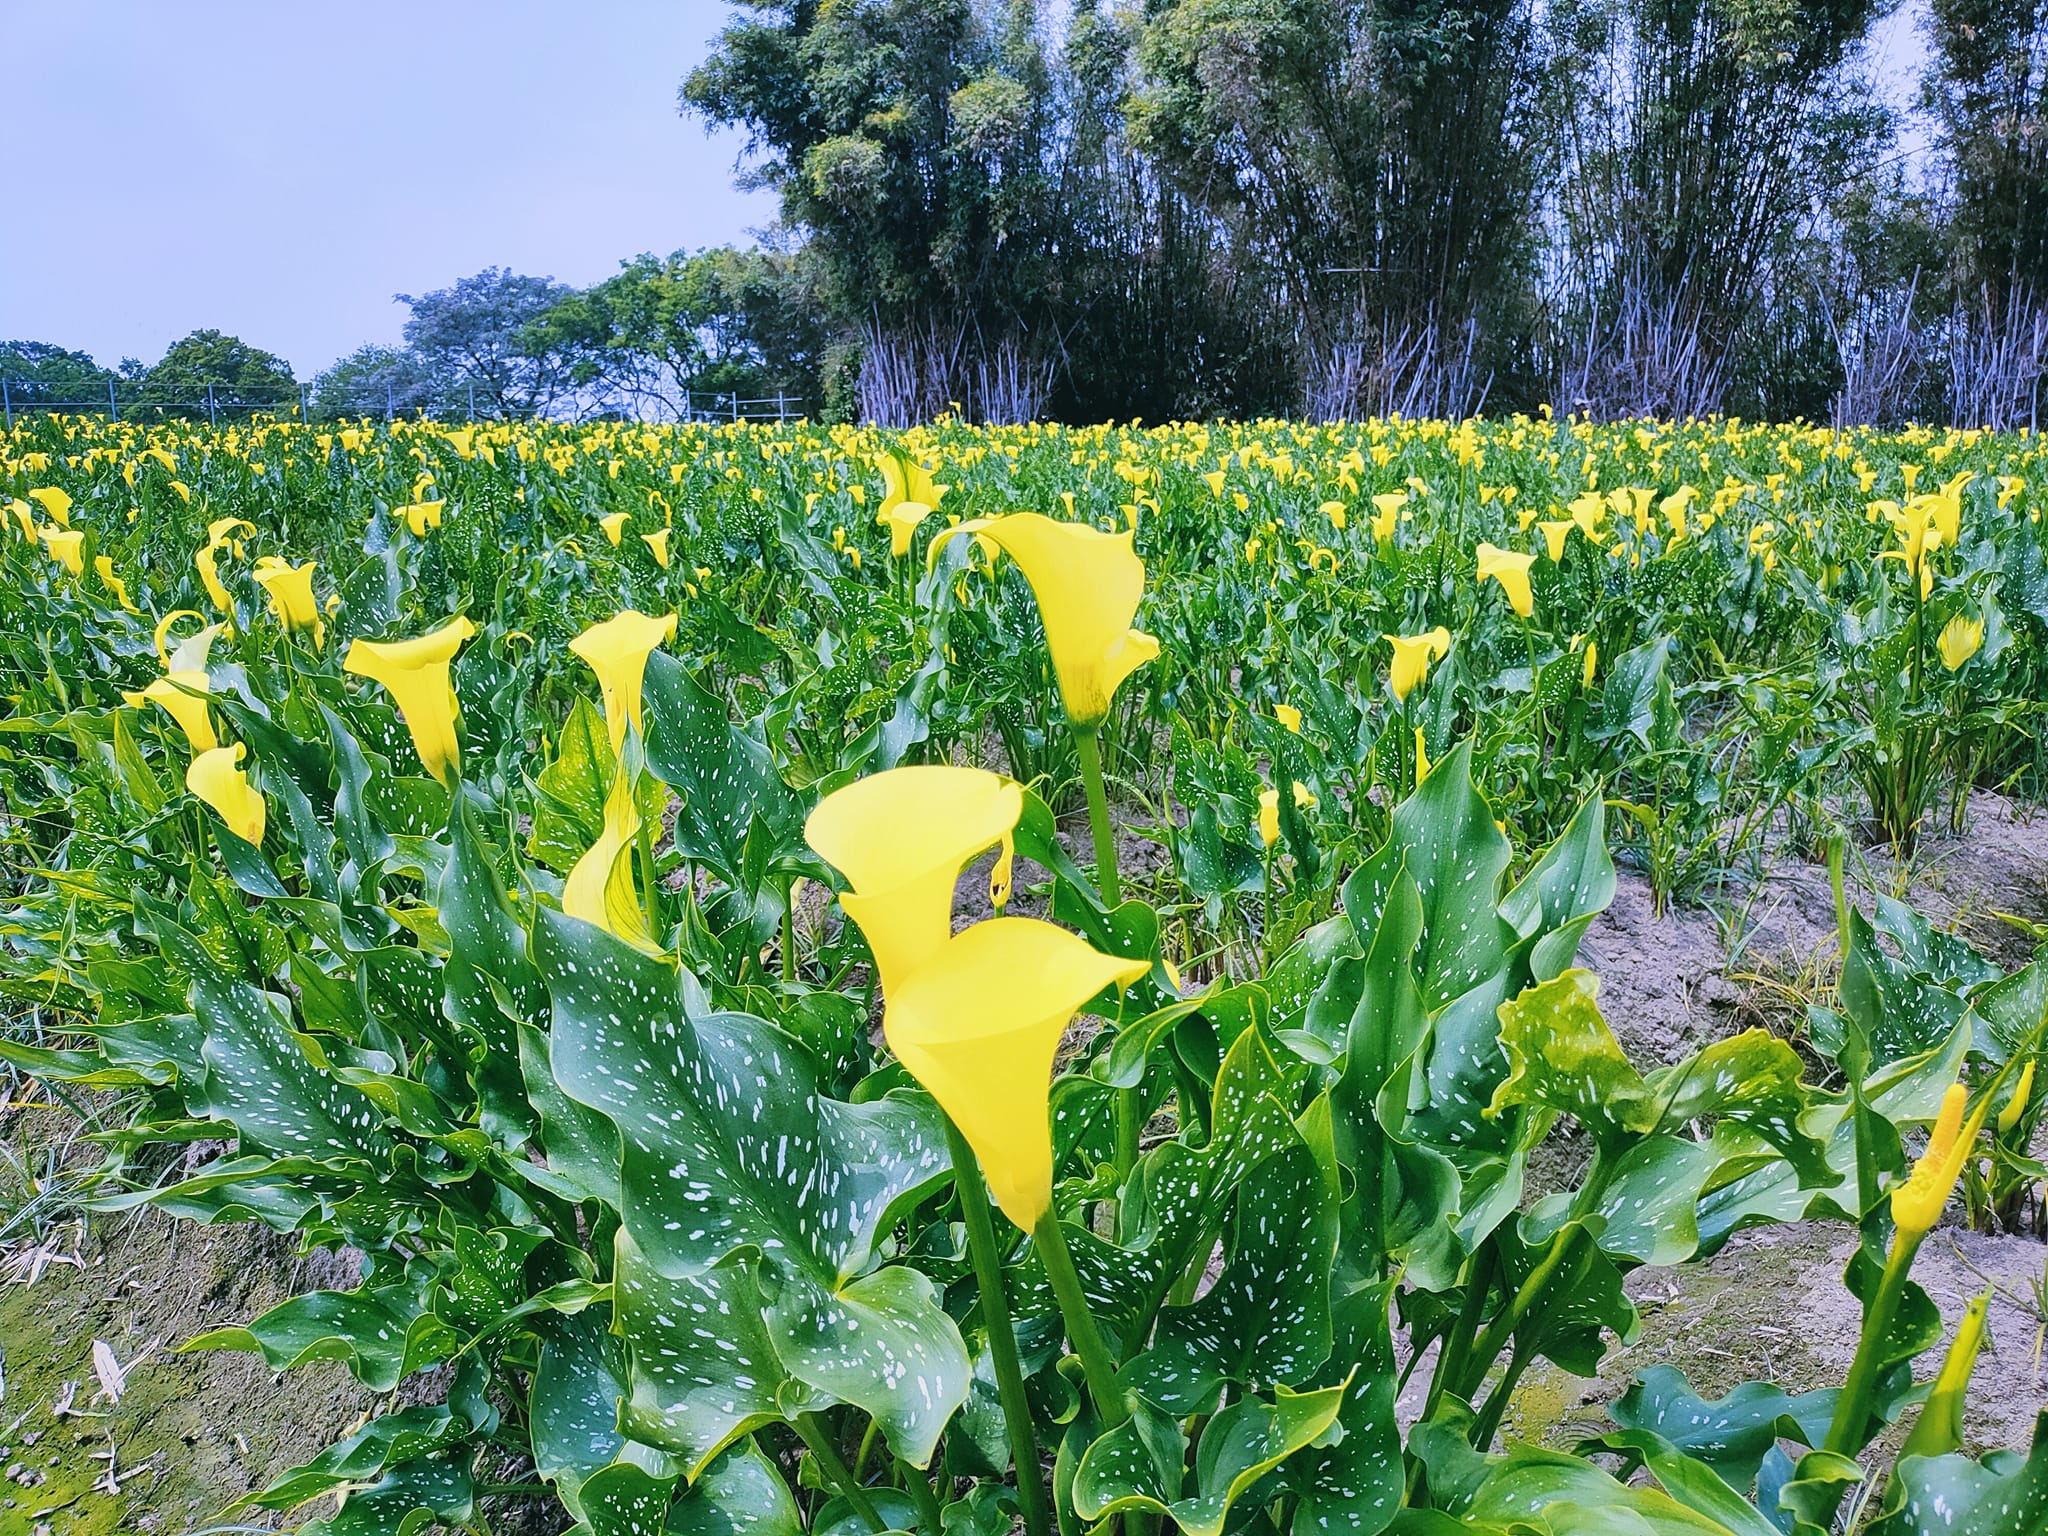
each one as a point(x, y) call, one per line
point(229, 366)
point(483, 335)
point(39, 372)
point(374, 380)
point(723, 321)
point(1370, 157)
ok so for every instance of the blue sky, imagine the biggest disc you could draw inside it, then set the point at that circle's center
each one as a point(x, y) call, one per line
point(279, 170)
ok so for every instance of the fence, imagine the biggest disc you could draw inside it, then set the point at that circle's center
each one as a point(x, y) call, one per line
point(22, 397)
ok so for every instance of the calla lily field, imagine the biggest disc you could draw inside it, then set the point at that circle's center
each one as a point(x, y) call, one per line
point(985, 978)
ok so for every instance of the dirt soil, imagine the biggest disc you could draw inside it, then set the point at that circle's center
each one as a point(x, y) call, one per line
point(190, 1432)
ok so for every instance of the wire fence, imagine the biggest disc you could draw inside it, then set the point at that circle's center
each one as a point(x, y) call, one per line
point(130, 402)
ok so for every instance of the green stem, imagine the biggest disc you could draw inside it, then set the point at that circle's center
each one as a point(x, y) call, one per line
point(1563, 1248)
point(1002, 1335)
point(924, 1496)
point(789, 930)
point(1497, 1401)
point(1450, 1360)
point(1836, 852)
point(1087, 745)
point(813, 1435)
point(1852, 1409)
point(1096, 1363)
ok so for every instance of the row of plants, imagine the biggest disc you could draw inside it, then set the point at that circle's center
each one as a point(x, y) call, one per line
point(720, 1161)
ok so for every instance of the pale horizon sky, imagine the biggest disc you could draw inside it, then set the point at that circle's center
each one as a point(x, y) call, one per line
point(280, 171)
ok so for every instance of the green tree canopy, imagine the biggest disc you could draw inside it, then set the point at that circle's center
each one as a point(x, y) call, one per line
point(229, 366)
point(38, 371)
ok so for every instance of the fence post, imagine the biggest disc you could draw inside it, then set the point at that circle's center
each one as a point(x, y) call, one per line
point(780, 415)
point(305, 410)
point(212, 418)
point(7, 401)
point(113, 407)
point(472, 399)
point(735, 406)
point(387, 401)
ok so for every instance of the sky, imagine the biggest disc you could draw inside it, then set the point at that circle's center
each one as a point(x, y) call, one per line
point(280, 170)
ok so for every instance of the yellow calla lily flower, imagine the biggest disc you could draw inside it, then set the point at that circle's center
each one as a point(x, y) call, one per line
point(657, 541)
point(1555, 531)
point(1387, 509)
point(617, 651)
point(25, 515)
point(600, 887)
point(415, 674)
point(1960, 639)
point(54, 502)
point(2016, 1106)
point(210, 576)
point(1269, 810)
point(1917, 1201)
point(1674, 509)
point(1336, 512)
point(215, 778)
point(977, 1024)
point(104, 564)
point(1412, 656)
point(1088, 584)
point(64, 545)
point(901, 839)
point(903, 518)
point(1288, 716)
point(1511, 569)
point(422, 515)
point(291, 595)
point(169, 694)
point(163, 628)
point(614, 526)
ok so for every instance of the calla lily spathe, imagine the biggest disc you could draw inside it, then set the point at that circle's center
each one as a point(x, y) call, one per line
point(415, 674)
point(900, 839)
point(600, 887)
point(421, 516)
point(978, 1023)
point(1412, 656)
point(1960, 639)
point(903, 520)
point(215, 778)
point(1269, 810)
point(291, 595)
point(55, 502)
point(1511, 569)
point(617, 651)
point(1088, 584)
point(66, 547)
point(657, 542)
point(169, 694)
point(1918, 1199)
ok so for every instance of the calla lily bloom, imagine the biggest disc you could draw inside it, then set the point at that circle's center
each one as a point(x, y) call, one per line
point(901, 839)
point(1674, 508)
point(600, 887)
point(617, 651)
point(1960, 639)
point(1412, 656)
point(904, 479)
point(55, 502)
point(422, 515)
point(169, 694)
point(1269, 810)
point(1088, 584)
point(291, 595)
point(65, 546)
point(210, 576)
point(215, 778)
point(1387, 509)
point(2016, 1106)
point(104, 564)
point(614, 526)
point(657, 541)
point(977, 1024)
point(415, 674)
point(1555, 531)
point(1917, 1201)
point(1288, 716)
point(25, 515)
point(1511, 569)
point(903, 518)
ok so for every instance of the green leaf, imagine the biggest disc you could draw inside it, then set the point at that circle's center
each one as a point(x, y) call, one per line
point(1637, 690)
point(383, 1334)
point(2003, 1495)
point(726, 778)
point(728, 1141)
point(1899, 1013)
point(1732, 1433)
point(1562, 1055)
point(408, 1499)
point(568, 815)
point(1353, 1488)
point(363, 1457)
point(1266, 1320)
point(1539, 1490)
point(740, 1494)
point(1240, 1445)
point(573, 1404)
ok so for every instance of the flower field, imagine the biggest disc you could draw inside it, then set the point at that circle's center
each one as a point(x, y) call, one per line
point(531, 857)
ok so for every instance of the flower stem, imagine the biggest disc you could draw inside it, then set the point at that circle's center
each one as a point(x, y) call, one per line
point(1852, 1409)
point(1087, 745)
point(924, 1496)
point(1096, 1363)
point(813, 1434)
point(1002, 1334)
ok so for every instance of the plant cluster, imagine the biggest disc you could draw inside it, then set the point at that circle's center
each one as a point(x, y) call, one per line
point(731, 1164)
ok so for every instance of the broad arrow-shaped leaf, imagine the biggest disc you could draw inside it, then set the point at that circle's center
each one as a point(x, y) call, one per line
point(725, 777)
